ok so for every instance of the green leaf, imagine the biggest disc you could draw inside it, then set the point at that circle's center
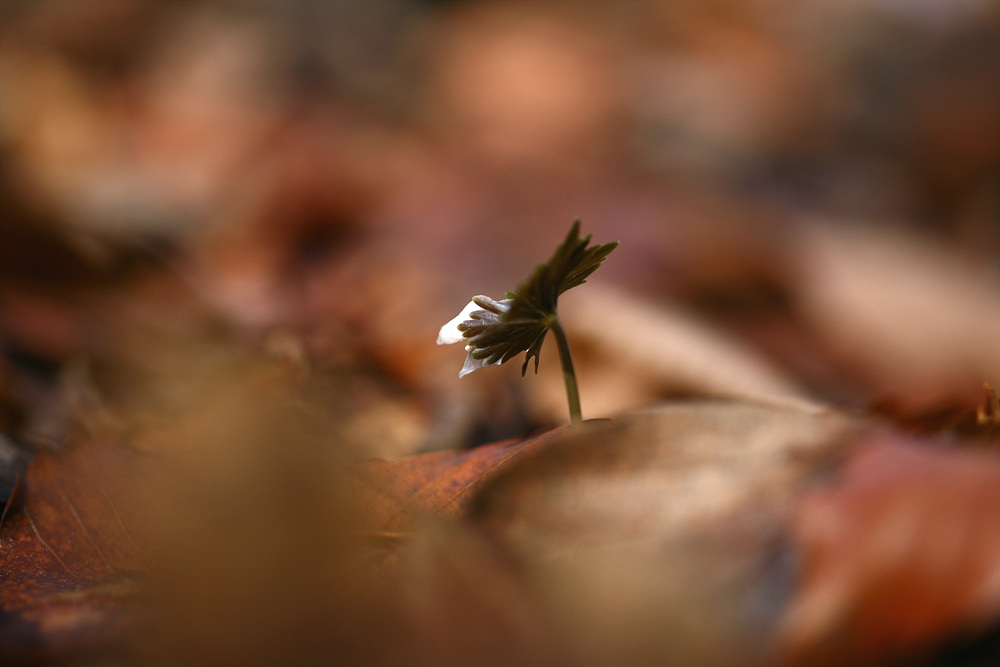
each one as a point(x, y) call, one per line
point(504, 329)
point(569, 267)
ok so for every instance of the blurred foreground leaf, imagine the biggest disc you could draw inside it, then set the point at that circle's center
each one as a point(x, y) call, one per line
point(671, 517)
point(69, 560)
point(900, 554)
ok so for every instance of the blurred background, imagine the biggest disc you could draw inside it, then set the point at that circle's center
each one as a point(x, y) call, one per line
point(230, 231)
point(809, 186)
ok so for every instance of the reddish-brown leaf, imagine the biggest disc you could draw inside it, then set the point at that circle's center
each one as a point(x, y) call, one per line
point(68, 556)
point(900, 554)
point(442, 483)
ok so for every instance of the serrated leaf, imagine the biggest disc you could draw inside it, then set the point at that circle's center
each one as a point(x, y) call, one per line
point(570, 266)
point(504, 329)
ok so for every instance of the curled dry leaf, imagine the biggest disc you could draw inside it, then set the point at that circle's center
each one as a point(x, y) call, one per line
point(632, 343)
point(900, 554)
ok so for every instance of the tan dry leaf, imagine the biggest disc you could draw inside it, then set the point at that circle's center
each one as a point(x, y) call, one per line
point(916, 319)
point(658, 535)
point(633, 352)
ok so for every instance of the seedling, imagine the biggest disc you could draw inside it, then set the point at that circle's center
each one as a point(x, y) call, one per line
point(495, 332)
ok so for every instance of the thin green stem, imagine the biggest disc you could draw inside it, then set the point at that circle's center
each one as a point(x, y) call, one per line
point(569, 375)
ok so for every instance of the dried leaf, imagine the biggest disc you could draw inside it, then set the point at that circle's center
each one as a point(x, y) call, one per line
point(899, 554)
point(670, 517)
point(916, 319)
point(640, 344)
point(69, 559)
point(439, 483)
point(988, 414)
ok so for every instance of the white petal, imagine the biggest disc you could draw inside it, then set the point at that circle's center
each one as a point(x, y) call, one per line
point(449, 333)
point(503, 305)
point(474, 365)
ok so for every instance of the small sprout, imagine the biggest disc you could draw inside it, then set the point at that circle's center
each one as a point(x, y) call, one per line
point(495, 332)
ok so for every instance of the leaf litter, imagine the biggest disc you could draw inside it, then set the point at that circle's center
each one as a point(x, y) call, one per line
point(226, 248)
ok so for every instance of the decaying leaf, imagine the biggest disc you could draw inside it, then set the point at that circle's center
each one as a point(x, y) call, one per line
point(69, 558)
point(917, 319)
point(664, 351)
point(438, 483)
point(988, 414)
point(900, 554)
point(665, 519)
point(222, 174)
point(617, 530)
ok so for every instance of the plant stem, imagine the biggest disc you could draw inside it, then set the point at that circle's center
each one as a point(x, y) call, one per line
point(569, 375)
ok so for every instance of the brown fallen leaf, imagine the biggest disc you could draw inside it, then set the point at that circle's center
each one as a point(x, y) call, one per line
point(72, 529)
point(613, 479)
point(988, 414)
point(438, 483)
point(916, 320)
point(900, 554)
point(641, 351)
point(468, 605)
point(659, 534)
point(69, 562)
point(656, 534)
point(953, 419)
